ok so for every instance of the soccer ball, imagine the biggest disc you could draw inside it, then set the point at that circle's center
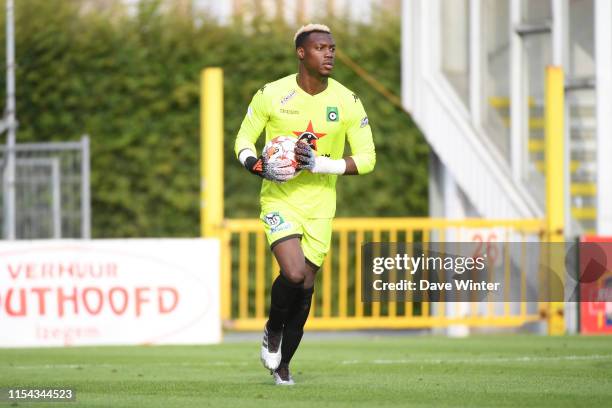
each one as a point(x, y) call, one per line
point(279, 148)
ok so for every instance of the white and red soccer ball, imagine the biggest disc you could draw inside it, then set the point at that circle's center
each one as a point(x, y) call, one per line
point(279, 148)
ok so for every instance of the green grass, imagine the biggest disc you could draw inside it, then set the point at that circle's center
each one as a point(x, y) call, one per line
point(514, 371)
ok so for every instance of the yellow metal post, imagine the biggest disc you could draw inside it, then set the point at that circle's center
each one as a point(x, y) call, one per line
point(211, 173)
point(211, 144)
point(226, 275)
point(554, 142)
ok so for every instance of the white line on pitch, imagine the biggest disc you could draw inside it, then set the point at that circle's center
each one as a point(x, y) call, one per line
point(482, 360)
point(56, 366)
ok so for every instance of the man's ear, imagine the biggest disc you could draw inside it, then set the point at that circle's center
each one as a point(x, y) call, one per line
point(300, 53)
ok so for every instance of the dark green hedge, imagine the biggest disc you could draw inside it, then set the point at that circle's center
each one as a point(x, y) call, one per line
point(132, 84)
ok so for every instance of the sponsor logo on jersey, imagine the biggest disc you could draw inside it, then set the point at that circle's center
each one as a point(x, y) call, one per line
point(332, 114)
point(290, 111)
point(276, 222)
point(288, 97)
point(364, 122)
point(309, 135)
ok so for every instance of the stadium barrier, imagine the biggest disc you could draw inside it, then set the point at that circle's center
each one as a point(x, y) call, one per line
point(109, 292)
point(248, 270)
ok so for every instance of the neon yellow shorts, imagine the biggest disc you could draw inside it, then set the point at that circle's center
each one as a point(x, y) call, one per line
point(315, 233)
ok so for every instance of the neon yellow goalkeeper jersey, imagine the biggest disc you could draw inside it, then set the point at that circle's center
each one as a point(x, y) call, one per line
point(327, 119)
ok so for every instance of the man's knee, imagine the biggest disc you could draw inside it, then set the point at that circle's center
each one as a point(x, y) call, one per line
point(295, 273)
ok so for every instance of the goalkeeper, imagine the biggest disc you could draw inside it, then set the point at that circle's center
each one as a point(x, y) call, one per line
point(298, 205)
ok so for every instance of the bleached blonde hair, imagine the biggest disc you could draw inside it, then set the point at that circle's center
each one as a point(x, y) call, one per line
point(309, 28)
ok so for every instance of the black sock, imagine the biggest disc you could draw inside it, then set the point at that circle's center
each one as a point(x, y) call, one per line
point(283, 296)
point(294, 329)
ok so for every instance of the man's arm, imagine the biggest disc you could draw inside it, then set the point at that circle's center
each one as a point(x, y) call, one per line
point(252, 125)
point(351, 167)
point(307, 159)
point(359, 135)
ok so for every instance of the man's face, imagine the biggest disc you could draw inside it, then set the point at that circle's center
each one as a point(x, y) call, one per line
point(318, 53)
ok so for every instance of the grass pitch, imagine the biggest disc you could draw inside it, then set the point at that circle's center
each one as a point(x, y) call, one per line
point(362, 372)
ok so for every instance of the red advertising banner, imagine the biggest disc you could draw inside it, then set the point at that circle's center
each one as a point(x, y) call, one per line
point(596, 317)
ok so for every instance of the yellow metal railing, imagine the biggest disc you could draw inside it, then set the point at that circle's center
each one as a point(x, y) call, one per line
point(249, 270)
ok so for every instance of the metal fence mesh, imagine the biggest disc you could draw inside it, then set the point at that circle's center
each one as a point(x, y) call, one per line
point(51, 190)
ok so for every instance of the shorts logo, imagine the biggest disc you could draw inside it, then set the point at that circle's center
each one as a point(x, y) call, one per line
point(332, 114)
point(276, 222)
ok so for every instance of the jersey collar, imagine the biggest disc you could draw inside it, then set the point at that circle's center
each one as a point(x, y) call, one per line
point(324, 92)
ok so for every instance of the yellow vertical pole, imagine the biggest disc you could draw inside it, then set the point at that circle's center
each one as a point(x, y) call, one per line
point(506, 276)
point(409, 239)
point(243, 273)
point(260, 278)
point(211, 175)
point(358, 242)
point(424, 296)
point(554, 143)
point(491, 268)
point(327, 285)
point(442, 248)
point(343, 279)
point(211, 155)
point(226, 275)
point(523, 275)
point(376, 305)
point(393, 275)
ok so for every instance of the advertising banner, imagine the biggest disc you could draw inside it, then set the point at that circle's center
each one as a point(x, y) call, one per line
point(596, 317)
point(109, 292)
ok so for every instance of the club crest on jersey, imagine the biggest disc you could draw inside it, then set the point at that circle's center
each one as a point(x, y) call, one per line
point(332, 114)
point(309, 136)
point(276, 222)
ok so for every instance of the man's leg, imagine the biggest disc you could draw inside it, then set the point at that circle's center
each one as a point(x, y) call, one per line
point(315, 244)
point(298, 314)
point(285, 290)
point(290, 282)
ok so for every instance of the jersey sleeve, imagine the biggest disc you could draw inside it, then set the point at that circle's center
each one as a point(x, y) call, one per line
point(359, 135)
point(253, 123)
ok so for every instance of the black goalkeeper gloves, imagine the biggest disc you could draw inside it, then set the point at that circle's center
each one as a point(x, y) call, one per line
point(305, 156)
point(277, 171)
